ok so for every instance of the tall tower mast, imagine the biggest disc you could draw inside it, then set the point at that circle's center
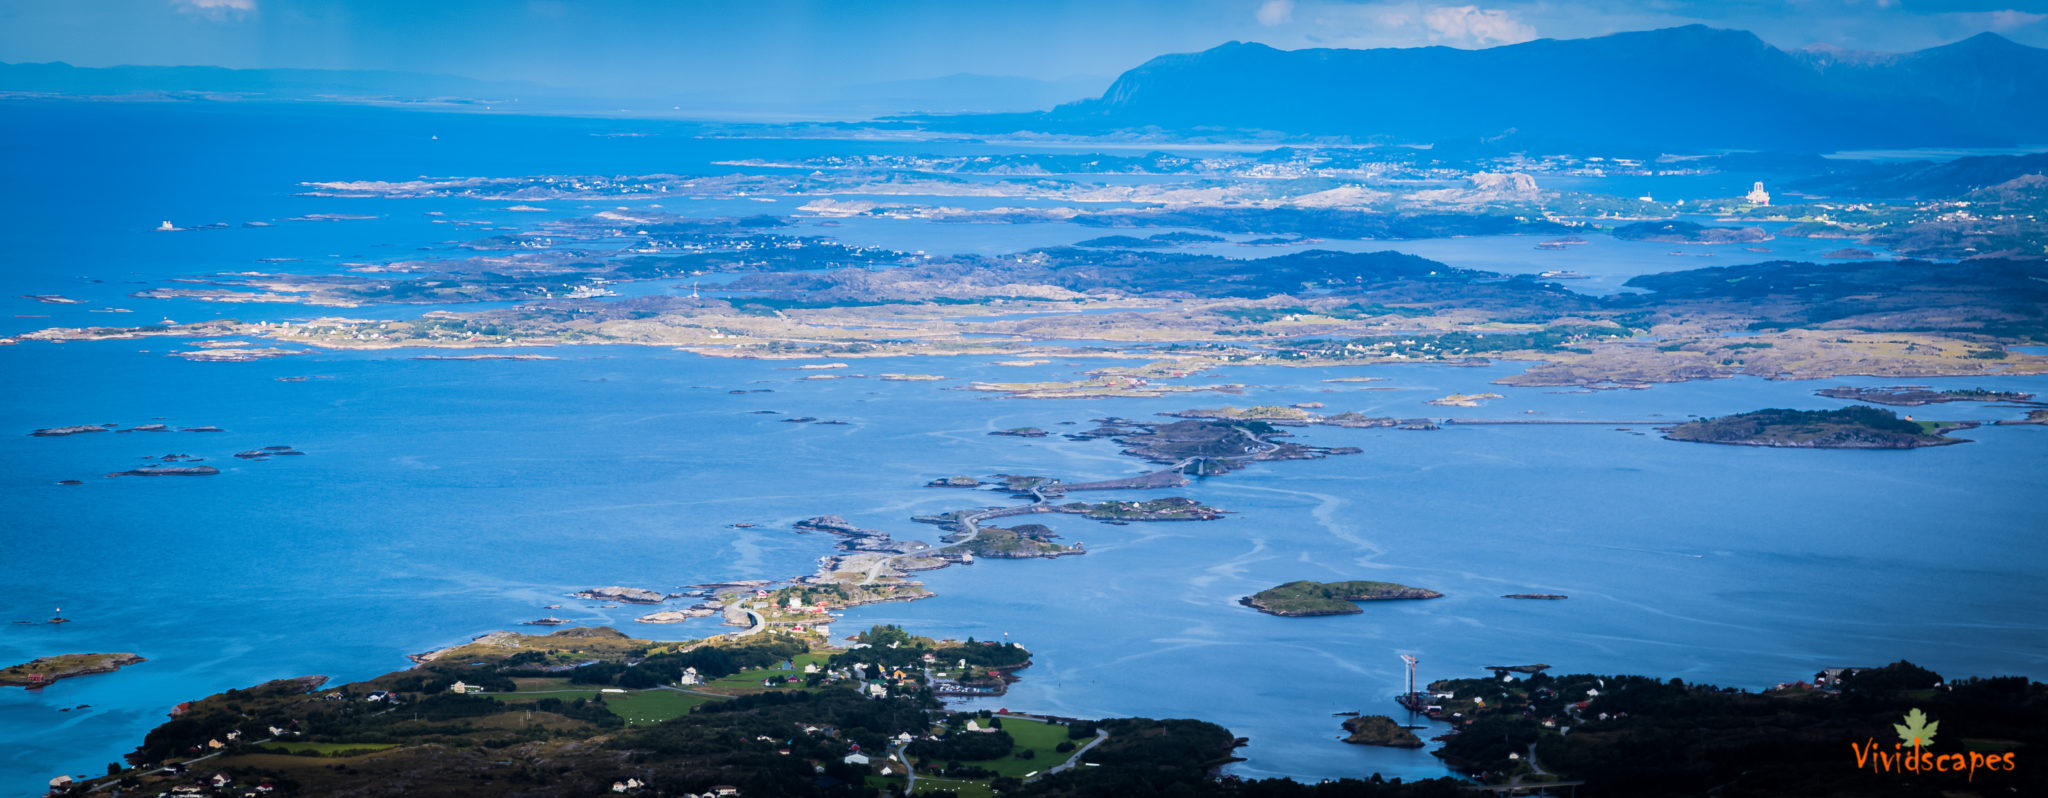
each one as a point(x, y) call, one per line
point(1410, 695)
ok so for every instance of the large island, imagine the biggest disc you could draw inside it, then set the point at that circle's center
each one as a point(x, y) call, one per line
point(1858, 427)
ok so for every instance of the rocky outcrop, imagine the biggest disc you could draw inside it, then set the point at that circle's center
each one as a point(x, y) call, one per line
point(629, 595)
point(168, 471)
point(58, 432)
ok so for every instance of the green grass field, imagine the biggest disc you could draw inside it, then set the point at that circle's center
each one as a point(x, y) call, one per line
point(636, 706)
point(1033, 735)
point(326, 748)
point(535, 689)
point(1029, 735)
point(966, 789)
point(652, 706)
point(749, 681)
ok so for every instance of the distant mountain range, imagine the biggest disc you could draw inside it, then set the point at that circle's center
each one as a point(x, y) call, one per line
point(1690, 87)
point(952, 94)
point(61, 78)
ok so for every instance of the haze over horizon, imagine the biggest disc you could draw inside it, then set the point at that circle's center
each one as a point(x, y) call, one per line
point(784, 49)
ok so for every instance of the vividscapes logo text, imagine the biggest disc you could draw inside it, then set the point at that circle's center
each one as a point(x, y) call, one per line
point(1918, 731)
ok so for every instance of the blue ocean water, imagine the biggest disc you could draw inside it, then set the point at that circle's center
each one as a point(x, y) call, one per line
point(441, 500)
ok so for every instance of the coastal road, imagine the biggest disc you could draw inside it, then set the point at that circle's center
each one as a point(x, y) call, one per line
point(760, 624)
point(113, 780)
point(910, 785)
point(972, 523)
point(1100, 735)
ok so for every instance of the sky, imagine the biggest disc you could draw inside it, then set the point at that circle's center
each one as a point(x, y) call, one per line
point(664, 47)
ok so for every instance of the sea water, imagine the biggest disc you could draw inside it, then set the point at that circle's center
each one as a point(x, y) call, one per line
point(439, 500)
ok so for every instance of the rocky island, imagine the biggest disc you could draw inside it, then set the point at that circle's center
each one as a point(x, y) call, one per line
point(1680, 232)
point(1305, 598)
point(629, 595)
point(58, 432)
point(43, 671)
point(1916, 395)
point(168, 471)
point(1018, 542)
point(1858, 427)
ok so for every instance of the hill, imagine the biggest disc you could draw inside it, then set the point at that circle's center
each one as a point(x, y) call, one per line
point(1687, 87)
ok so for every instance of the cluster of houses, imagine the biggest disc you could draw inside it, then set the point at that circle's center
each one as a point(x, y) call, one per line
point(718, 791)
point(1827, 680)
point(219, 784)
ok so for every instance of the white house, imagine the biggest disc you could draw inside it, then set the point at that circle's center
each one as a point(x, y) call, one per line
point(855, 758)
point(878, 691)
point(462, 688)
point(690, 677)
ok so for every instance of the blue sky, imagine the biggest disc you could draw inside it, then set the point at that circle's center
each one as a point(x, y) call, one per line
point(649, 47)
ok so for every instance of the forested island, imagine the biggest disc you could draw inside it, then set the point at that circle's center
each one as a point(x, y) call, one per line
point(1379, 730)
point(1858, 427)
point(1304, 598)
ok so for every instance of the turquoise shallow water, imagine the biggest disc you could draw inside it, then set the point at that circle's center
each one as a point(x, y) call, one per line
point(440, 500)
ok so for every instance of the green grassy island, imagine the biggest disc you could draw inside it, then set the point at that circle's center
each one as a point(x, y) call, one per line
point(1858, 427)
point(1020, 541)
point(45, 670)
point(1379, 730)
point(1296, 599)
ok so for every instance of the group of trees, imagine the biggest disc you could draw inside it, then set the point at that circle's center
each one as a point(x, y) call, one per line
point(1665, 737)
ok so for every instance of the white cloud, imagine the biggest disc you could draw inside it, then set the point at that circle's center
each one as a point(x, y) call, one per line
point(2006, 20)
point(216, 9)
point(1276, 12)
point(1477, 25)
